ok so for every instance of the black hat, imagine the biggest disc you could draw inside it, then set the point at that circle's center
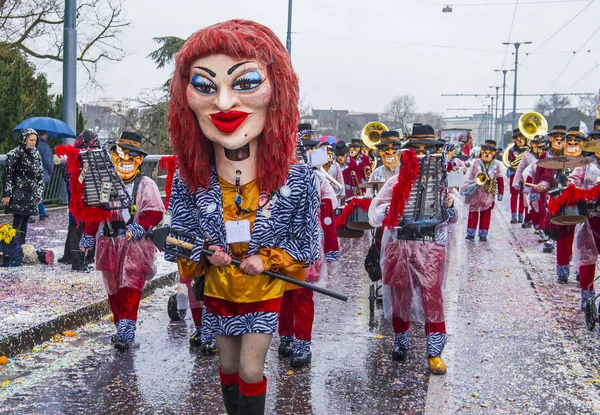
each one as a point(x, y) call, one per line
point(326, 144)
point(558, 129)
point(391, 133)
point(517, 133)
point(131, 141)
point(575, 133)
point(597, 124)
point(594, 135)
point(341, 148)
point(388, 137)
point(422, 134)
point(490, 144)
point(305, 128)
point(356, 142)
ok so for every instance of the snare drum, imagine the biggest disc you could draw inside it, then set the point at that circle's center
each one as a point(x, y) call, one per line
point(345, 232)
point(359, 219)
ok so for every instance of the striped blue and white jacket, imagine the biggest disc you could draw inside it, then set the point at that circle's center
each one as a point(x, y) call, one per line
point(292, 224)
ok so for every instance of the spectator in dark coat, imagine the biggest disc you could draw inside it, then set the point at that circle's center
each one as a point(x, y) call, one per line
point(23, 181)
point(47, 161)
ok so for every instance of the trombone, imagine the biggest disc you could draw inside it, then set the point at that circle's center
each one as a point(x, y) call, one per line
point(337, 187)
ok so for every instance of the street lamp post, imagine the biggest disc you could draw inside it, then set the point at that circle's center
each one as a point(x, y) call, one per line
point(495, 125)
point(69, 105)
point(492, 132)
point(516, 45)
point(504, 71)
point(288, 42)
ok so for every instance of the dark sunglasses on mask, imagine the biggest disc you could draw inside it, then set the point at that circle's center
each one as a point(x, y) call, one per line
point(132, 153)
point(390, 147)
point(490, 149)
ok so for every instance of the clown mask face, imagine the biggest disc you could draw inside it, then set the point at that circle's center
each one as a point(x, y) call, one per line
point(488, 154)
point(450, 154)
point(127, 162)
point(519, 141)
point(230, 98)
point(330, 157)
point(557, 144)
point(573, 147)
point(365, 151)
point(390, 155)
point(341, 160)
point(354, 151)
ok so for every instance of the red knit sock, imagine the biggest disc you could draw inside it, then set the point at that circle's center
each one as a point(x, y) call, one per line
point(229, 379)
point(253, 389)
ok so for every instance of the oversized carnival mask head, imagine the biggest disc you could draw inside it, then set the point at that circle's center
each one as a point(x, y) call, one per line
point(341, 152)
point(488, 151)
point(355, 148)
point(574, 141)
point(330, 155)
point(127, 155)
point(422, 140)
point(537, 145)
point(390, 154)
point(127, 162)
point(557, 140)
point(365, 151)
point(230, 98)
point(518, 139)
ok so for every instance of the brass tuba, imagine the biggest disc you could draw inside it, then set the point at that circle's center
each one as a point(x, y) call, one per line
point(532, 124)
point(371, 133)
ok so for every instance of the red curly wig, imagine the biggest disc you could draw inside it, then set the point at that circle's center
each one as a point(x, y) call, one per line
point(243, 40)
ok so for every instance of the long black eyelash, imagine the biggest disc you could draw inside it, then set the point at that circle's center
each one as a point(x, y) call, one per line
point(240, 81)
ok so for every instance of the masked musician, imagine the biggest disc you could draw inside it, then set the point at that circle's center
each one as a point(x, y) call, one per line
point(362, 160)
point(483, 184)
point(123, 253)
point(412, 261)
point(233, 117)
point(297, 306)
point(388, 149)
point(517, 180)
point(352, 174)
point(587, 238)
point(453, 163)
point(517, 201)
point(525, 172)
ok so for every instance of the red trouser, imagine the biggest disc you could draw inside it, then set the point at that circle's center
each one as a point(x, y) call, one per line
point(400, 326)
point(516, 196)
point(564, 245)
point(484, 218)
point(125, 303)
point(588, 272)
point(535, 217)
point(297, 314)
point(195, 305)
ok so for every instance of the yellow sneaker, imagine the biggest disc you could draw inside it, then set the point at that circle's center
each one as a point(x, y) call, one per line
point(436, 365)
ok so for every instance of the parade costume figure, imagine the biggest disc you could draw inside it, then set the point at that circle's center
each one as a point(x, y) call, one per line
point(389, 152)
point(413, 261)
point(23, 182)
point(525, 173)
point(87, 140)
point(125, 257)
point(587, 234)
point(297, 306)
point(232, 121)
point(351, 173)
point(517, 200)
point(480, 194)
point(453, 163)
point(362, 160)
point(332, 168)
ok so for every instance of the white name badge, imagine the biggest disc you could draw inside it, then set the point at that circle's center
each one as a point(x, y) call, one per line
point(237, 231)
point(125, 214)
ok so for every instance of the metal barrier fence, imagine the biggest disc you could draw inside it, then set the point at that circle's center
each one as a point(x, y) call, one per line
point(55, 190)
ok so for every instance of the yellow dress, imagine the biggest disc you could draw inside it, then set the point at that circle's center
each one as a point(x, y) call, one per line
point(229, 283)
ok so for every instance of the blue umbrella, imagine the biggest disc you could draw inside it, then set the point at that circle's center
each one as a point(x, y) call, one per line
point(55, 128)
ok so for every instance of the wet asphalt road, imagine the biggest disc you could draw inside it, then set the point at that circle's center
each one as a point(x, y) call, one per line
point(506, 354)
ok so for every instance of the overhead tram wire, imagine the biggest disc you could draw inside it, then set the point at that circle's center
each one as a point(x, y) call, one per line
point(584, 76)
point(573, 57)
point(556, 32)
point(509, 3)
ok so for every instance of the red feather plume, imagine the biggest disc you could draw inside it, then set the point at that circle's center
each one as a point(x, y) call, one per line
point(362, 204)
point(407, 176)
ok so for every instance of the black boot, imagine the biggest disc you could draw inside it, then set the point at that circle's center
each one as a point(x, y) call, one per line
point(209, 348)
point(301, 359)
point(399, 354)
point(252, 405)
point(231, 398)
point(285, 346)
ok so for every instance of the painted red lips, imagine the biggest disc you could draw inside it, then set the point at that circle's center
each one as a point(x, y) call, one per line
point(228, 122)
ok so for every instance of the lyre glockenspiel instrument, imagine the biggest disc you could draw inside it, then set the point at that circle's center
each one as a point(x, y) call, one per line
point(423, 208)
point(103, 187)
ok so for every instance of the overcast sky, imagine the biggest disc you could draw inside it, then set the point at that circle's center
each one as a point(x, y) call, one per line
point(358, 54)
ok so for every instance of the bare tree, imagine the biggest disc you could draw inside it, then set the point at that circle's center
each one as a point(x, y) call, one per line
point(35, 27)
point(434, 119)
point(589, 104)
point(400, 110)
